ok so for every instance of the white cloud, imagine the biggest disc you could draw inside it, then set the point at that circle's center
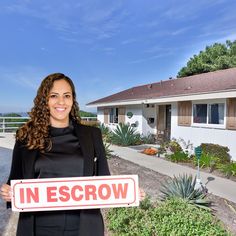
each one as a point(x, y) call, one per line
point(70, 17)
point(27, 77)
point(158, 56)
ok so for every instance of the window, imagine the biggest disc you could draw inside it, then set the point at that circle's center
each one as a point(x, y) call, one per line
point(113, 115)
point(216, 113)
point(212, 113)
point(200, 113)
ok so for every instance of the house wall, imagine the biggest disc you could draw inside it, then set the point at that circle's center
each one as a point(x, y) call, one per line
point(198, 135)
point(140, 117)
point(100, 114)
point(195, 134)
point(141, 113)
point(136, 119)
point(137, 116)
point(149, 112)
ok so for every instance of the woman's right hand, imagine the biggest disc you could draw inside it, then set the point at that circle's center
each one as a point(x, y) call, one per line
point(5, 192)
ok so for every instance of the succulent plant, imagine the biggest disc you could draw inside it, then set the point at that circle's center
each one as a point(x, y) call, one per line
point(108, 151)
point(125, 135)
point(183, 187)
point(106, 133)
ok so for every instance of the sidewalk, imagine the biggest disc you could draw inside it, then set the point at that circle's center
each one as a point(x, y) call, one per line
point(8, 219)
point(216, 185)
point(7, 140)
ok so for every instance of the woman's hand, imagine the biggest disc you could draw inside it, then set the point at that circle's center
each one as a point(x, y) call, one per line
point(5, 192)
point(142, 194)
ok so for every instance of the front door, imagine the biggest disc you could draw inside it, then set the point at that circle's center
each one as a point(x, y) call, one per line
point(168, 122)
point(163, 123)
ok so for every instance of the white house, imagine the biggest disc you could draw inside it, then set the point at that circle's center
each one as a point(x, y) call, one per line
point(199, 108)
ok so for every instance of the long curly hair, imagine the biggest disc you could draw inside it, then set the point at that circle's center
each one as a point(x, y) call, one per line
point(35, 133)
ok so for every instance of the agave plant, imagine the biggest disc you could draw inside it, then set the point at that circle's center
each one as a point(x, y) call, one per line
point(106, 133)
point(184, 187)
point(108, 151)
point(125, 135)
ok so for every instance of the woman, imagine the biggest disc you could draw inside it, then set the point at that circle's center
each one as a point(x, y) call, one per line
point(53, 143)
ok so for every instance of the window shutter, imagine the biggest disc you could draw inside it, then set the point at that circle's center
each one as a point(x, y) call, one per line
point(121, 115)
point(231, 114)
point(184, 113)
point(106, 113)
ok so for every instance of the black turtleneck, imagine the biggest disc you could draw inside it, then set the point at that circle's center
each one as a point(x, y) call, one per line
point(64, 159)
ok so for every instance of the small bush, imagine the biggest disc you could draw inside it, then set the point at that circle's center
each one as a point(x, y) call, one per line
point(106, 133)
point(108, 151)
point(148, 139)
point(174, 146)
point(207, 161)
point(216, 150)
point(90, 123)
point(179, 157)
point(229, 169)
point(173, 217)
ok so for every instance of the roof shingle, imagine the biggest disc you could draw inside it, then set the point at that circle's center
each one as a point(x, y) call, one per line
point(221, 80)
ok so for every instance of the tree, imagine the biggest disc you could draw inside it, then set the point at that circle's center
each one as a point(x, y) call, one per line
point(12, 115)
point(216, 57)
point(86, 114)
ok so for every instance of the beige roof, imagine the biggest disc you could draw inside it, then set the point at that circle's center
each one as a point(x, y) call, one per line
point(217, 81)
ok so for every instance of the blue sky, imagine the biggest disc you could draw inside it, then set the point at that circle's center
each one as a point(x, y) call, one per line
point(105, 46)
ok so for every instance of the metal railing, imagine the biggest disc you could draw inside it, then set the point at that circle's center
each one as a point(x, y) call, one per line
point(11, 124)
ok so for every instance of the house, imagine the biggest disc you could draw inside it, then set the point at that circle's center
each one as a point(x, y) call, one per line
point(199, 108)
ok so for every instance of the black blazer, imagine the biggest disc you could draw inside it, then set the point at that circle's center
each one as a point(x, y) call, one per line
point(23, 161)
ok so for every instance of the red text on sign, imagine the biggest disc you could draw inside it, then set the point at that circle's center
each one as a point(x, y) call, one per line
point(76, 193)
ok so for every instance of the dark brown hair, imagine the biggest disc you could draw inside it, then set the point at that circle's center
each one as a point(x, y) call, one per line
point(35, 133)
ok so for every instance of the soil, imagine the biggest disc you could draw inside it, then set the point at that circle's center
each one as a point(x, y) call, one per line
point(150, 181)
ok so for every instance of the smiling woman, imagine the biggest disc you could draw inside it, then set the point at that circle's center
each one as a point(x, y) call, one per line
point(60, 103)
point(54, 105)
point(53, 144)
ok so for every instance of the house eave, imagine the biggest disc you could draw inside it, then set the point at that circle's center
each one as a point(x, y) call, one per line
point(174, 98)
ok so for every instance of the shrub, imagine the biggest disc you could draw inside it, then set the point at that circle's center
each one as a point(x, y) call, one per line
point(93, 123)
point(177, 217)
point(174, 146)
point(148, 139)
point(125, 135)
point(216, 150)
point(108, 151)
point(106, 133)
point(172, 217)
point(184, 187)
point(229, 169)
point(178, 157)
point(163, 147)
point(207, 161)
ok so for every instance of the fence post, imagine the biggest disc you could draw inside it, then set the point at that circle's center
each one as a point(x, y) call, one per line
point(3, 125)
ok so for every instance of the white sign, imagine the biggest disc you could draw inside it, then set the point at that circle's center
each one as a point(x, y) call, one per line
point(75, 193)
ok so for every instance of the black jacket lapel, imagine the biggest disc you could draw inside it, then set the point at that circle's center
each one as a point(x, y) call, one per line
point(85, 140)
